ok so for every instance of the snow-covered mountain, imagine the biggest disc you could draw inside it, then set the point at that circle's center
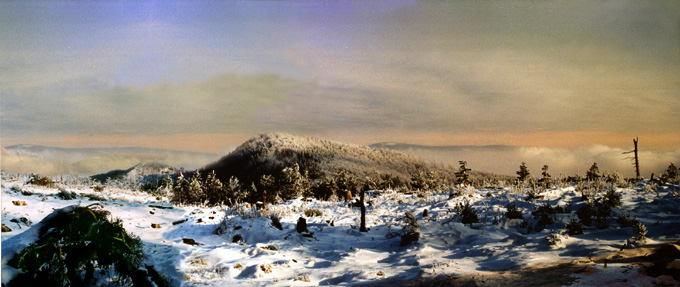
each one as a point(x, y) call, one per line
point(270, 153)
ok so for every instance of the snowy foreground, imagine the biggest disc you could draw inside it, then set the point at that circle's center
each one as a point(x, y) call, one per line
point(338, 254)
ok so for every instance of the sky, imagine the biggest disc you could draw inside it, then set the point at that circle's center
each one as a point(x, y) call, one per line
point(207, 75)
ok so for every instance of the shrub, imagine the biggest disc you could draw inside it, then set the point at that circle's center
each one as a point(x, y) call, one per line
point(276, 222)
point(66, 195)
point(585, 214)
point(554, 238)
point(593, 173)
point(625, 221)
point(574, 227)
point(612, 198)
point(513, 211)
point(73, 243)
point(41, 181)
point(467, 213)
point(639, 233)
point(325, 188)
point(671, 175)
point(311, 212)
point(410, 231)
point(462, 176)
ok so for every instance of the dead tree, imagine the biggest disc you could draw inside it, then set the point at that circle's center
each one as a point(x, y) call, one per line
point(362, 205)
point(635, 158)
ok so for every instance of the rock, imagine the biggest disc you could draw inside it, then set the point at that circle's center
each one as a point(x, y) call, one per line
point(5, 228)
point(179, 221)
point(190, 241)
point(155, 225)
point(19, 202)
point(301, 225)
point(425, 213)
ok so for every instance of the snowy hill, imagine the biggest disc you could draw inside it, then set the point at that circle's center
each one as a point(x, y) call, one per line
point(269, 153)
point(142, 173)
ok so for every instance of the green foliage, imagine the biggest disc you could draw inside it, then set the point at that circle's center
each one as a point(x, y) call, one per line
point(671, 175)
point(585, 214)
point(410, 231)
point(593, 173)
point(462, 176)
point(324, 188)
point(523, 173)
point(181, 193)
point(625, 221)
point(575, 227)
point(546, 176)
point(611, 198)
point(468, 215)
point(66, 195)
point(214, 191)
point(346, 182)
point(292, 184)
point(513, 212)
point(639, 232)
point(72, 245)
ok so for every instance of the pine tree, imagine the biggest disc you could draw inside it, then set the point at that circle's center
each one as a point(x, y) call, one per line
point(522, 173)
point(546, 176)
point(235, 192)
point(196, 189)
point(462, 176)
point(593, 173)
point(292, 184)
point(181, 193)
point(214, 191)
point(671, 175)
point(267, 184)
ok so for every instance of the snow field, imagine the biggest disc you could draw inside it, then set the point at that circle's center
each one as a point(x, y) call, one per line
point(337, 253)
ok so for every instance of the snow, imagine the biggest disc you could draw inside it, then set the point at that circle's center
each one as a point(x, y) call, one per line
point(340, 254)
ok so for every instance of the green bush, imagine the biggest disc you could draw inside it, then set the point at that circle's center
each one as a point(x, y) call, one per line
point(513, 211)
point(74, 243)
point(468, 215)
point(574, 227)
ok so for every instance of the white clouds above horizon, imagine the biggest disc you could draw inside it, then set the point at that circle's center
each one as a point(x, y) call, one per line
point(100, 68)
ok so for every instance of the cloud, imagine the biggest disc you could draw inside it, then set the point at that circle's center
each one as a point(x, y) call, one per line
point(414, 68)
point(224, 103)
point(561, 161)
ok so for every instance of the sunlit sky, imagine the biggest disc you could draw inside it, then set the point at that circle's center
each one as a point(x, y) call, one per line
point(207, 75)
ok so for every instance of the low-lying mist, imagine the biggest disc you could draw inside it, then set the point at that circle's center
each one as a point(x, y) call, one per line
point(561, 161)
point(89, 163)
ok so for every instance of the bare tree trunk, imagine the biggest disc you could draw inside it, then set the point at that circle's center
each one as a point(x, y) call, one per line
point(637, 163)
point(635, 158)
point(363, 212)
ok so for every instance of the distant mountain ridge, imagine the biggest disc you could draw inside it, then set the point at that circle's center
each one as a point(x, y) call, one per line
point(404, 146)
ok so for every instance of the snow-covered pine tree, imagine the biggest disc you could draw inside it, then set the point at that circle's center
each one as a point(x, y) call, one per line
point(235, 191)
point(181, 193)
point(292, 184)
point(462, 176)
point(196, 189)
point(214, 191)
